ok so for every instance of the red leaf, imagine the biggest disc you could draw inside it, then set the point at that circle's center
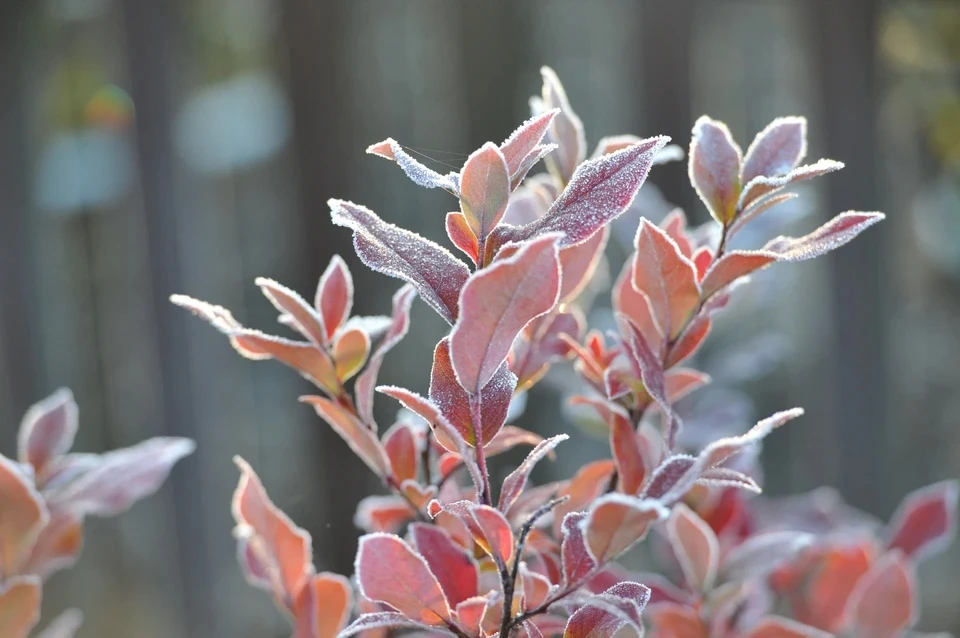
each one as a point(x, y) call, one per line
point(470, 614)
point(323, 607)
point(417, 172)
point(777, 627)
point(278, 547)
point(47, 431)
point(578, 263)
point(925, 522)
point(383, 514)
point(456, 572)
point(361, 439)
point(763, 553)
point(566, 129)
point(616, 522)
point(390, 572)
point(19, 606)
point(691, 339)
point(675, 226)
point(306, 358)
point(776, 150)
point(695, 546)
point(636, 305)
point(496, 304)
point(667, 278)
point(122, 477)
point(631, 467)
point(350, 352)
point(397, 252)
point(454, 402)
point(508, 438)
point(702, 260)
point(676, 621)
point(585, 486)
point(732, 266)
point(334, 298)
point(484, 190)
point(606, 613)
point(761, 186)
point(489, 529)
point(830, 585)
point(535, 587)
point(459, 232)
point(401, 445)
point(680, 382)
point(525, 138)
point(714, 168)
point(367, 381)
point(381, 621)
point(884, 603)
point(835, 233)
point(576, 561)
point(514, 483)
point(600, 190)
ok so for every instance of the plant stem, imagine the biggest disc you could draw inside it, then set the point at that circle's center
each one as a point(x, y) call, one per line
point(475, 415)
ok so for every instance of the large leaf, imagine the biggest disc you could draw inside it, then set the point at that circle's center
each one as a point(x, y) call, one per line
point(496, 303)
point(397, 252)
point(666, 277)
point(714, 168)
point(606, 613)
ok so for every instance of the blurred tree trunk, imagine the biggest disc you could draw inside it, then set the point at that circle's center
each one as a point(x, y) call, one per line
point(844, 37)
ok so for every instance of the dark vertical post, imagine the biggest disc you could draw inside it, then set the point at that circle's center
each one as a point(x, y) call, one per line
point(843, 36)
point(150, 29)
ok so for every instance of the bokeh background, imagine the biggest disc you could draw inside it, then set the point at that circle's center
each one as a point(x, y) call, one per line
point(151, 147)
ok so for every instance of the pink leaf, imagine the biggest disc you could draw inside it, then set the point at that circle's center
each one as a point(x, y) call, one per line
point(529, 161)
point(310, 361)
point(122, 477)
point(525, 139)
point(47, 431)
point(631, 467)
point(400, 323)
point(383, 514)
point(606, 613)
point(884, 602)
point(508, 438)
point(295, 311)
point(732, 266)
point(925, 522)
point(401, 445)
point(323, 607)
point(334, 298)
point(835, 233)
point(386, 620)
point(390, 572)
point(496, 304)
point(578, 263)
point(680, 382)
point(726, 477)
point(615, 522)
point(457, 573)
point(667, 278)
point(361, 439)
point(514, 483)
point(489, 528)
point(417, 172)
point(19, 606)
point(484, 190)
point(566, 129)
point(397, 252)
point(350, 352)
point(776, 150)
point(636, 305)
point(278, 547)
point(535, 587)
point(459, 232)
point(761, 554)
point(760, 186)
point(714, 168)
point(675, 226)
point(576, 561)
point(454, 402)
point(696, 547)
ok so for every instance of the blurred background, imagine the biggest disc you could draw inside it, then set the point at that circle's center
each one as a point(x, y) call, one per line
point(148, 148)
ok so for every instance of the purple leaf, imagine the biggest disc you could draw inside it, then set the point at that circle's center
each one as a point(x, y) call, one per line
point(714, 168)
point(835, 233)
point(776, 150)
point(47, 431)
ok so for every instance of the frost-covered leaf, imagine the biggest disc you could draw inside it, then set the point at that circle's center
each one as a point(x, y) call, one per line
point(760, 187)
point(524, 140)
point(323, 607)
point(576, 561)
point(615, 522)
point(310, 361)
point(484, 190)
point(732, 266)
point(47, 431)
point(383, 514)
point(666, 277)
point(387, 620)
point(636, 305)
point(361, 439)
point(496, 303)
point(605, 614)
point(417, 172)
point(295, 311)
point(401, 445)
point(397, 252)
point(509, 437)
point(631, 466)
point(456, 571)
point(490, 529)
point(515, 482)
point(19, 606)
point(587, 484)
point(726, 477)
point(714, 168)
point(695, 546)
point(334, 298)
point(776, 150)
point(400, 323)
point(926, 521)
point(566, 129)
point(835, 233)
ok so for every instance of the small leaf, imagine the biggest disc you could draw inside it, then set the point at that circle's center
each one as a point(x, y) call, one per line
point(606, 613)
point(459, 232)
point(19, 606)
point(58, 544)
point(884, 600)
point(667, 278)
point(756, 208)
point(334, 299)
point(490, 529)
point(761, 186)
point(675, 226)
point(515, 482)
point(305, 358)
point(496, 304)
point(390, 572)
point(714, 168)
point(361, 439)
point(295, 311)
point(732, 266)
point(835, 233)
point(925, 522)
point(535, 587)
point(680, 382)
point(484, 190)
point(397, 252)
point(525, 139)
point(280, 548)
point(350, 352)
point(725, 477)
point(417, 172)
point(576, 561)
point(696, 547)
point(400, 323)
point(387, 620)
point(456, 572)
point(383, 514)
point(323, 607)
point(691, 338)
point(616, 522)
point(400, 444)
point(47, 431)
point(508, 438)
point(776, 150)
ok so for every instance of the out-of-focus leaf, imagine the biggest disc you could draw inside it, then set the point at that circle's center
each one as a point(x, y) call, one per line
point(778, 627)
point(19, 606)
point(615, 522)
point(586, 485)
point(459, 232)
point(776, 150)
point(761, 554)
point(397, 252)
point(714, 168)
point(47, 431)
point(695, 546)
point(279, 549)
point(361, 439)
point(401, 445)
point(578, 264)
point(334, 298)
point(566, 129)
point(400, 323)
point(576, 560)
point(490, 529)
point(496, 303)
point(350, 352)
point(323, 607)
point(702, 259)
point(387, 620)
point(835, 233)
point(58, 544)
point(883, 604)
point(484, 190)
point(515, 482)
point(417, 172)
point(680, 382)
point(732, 266)
point(667, 278)
point(675, 620)
point(383, 514)
point(391, 572)
point(925, 522)
point(726, 477)
point(456, 572)
point(294, 309)
point(690, 339)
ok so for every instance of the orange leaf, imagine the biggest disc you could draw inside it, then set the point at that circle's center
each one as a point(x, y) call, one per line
point(323, 607)
point(350, 352)
point(616, 522)
point(884, 602)
point(696, 547)
point(19, 606)
point(669, 279)
point(362, 440)
point(24, 516)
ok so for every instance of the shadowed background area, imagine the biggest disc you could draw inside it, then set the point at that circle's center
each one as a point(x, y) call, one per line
point(148, 148)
